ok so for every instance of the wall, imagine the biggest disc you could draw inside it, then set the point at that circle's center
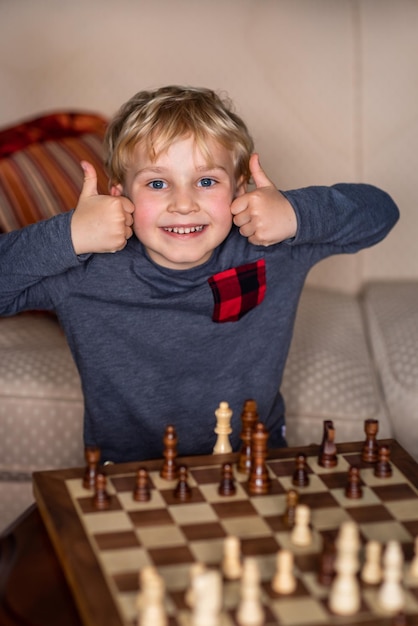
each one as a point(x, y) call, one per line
point(329, 88)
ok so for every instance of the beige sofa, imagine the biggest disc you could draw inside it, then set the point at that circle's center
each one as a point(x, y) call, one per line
point(329, 92)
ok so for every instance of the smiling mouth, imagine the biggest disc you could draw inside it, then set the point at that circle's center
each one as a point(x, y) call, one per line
point(184, 230)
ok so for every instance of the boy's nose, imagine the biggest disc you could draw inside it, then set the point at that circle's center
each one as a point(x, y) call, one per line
point(183, 202)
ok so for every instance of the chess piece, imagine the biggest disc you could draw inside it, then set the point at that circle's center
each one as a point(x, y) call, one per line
point(207, 598)
point(413, 567)
point(231, 562)
point(259, 480)
point(327, 456)
point(151, 601)
point(371, 572)
point(383, 467)
point(169, 470)
point(391, 594)
point(249, 418)
point(92, 456)
point(227, 483)
point(353, 488)
point(300, 475)
point(101, 499)
point(326, 570)
point(250, 611)
point(292, 499)
point(284, 581)
point(301, 534)
point(344, 597)
point(183, 490)
point(223, 428)
point(195, 569)
point(142, 492)
point(370, 449)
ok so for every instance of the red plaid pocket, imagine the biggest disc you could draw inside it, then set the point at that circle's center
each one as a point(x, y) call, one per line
point(238, 290)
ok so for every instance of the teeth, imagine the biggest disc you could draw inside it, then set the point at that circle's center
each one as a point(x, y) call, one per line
point(185, 230)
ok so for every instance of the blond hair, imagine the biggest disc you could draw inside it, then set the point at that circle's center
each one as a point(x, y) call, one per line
point(159, 117)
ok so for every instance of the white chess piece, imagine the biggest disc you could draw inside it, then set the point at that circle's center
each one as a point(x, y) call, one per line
point(301, 533)
point(151, 604)
point(344, 597)
point(250, 610)
point(207, 598)
point(195, 569)
point(223, 428)
point(413, 568)
point(231, 563)
point(391, 594)
point(371, 572)
point(284, 581)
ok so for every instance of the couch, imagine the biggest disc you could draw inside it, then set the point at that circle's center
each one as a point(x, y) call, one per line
point(353, 356)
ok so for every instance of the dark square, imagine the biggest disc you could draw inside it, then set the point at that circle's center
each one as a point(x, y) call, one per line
point(206, 475)
point(195, 496)
point(170, 555)
point(87, 505)
point(336, 480)
point(126, 483)
point(116, 540)
point(254, 546)
point(318, 500)
point(400, 491)
point(234, 508)
point(152, 517)
point(208, 530)
point(127, 581)
point(370, 513)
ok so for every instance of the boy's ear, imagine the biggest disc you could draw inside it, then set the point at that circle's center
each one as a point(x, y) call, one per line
point(241, 187)
point(116, 190)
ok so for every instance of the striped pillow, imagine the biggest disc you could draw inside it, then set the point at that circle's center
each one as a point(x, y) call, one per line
point(42, 176)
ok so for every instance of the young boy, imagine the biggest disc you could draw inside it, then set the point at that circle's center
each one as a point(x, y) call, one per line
point(179, 290)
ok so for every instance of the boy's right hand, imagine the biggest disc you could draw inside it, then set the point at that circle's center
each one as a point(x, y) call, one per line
point(100, 223)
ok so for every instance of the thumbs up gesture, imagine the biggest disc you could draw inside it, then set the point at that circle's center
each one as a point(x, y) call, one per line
point(100, 223)
point(263, 215)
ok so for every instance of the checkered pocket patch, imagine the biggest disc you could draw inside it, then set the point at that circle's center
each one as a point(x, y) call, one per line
point(238, 290)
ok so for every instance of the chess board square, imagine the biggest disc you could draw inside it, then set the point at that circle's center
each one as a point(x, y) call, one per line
point(299, 592)
point(210, 493)
point(270, 505)
point(372, 480)
point(320, 500)
point(396, 492)
point(195, 496)
point(285, 541)
point(385, 531)
point(200, 512)
point(125, 483)
point(128, 559)
point(369, 514)
point(129, 504)
point(315, 484)
point(299, 611)
point(114, 541)
point(331, 517)
point(206, 475)
point(170, 555)
point(285, 467)
point(259, 546)
point(107, 521)
point(207, 530)
point(368, 498)
point(336, 480)
point(246, 527)
point(405, 510)
point(236, 508)
point(127, 581)
point(209, 552)
point(154, 536)
point(151, 517)
point(87, 504)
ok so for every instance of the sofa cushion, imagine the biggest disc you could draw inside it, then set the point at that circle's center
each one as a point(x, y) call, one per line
point(329, 374)
point(391, 310)
point(41, 403)
point(40, 173)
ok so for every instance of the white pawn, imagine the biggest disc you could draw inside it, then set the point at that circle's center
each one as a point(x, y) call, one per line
point(344, 597)
point(231, 563)
point(250, 610)
point(284, 581)
point(301, 533)
point(207, 598)
point(195, 569)
point(151, 605)
point(223, 428)
point(371, 572)
point(391, 595)
point(413, 568)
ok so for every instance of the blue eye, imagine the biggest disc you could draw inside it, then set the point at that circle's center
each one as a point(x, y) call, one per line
point(206, 182)
point(157, 184)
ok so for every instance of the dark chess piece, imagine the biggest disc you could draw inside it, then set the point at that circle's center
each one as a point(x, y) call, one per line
point(142, 491)
point(292, 500)
point(353, 488)
point(383, 467)
point(169, 470)
point(300, 475)
point(370, 449)
point(101, 499)
point(92, 456)
point(327, 456)
point(326, 570)
point(259, 481)
point(227, 484)
point(183, 490)
point(249, 418)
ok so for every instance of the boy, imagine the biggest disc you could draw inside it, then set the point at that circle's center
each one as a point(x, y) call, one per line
point(179, 290)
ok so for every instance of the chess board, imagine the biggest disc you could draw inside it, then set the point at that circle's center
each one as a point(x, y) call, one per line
point(102, 551)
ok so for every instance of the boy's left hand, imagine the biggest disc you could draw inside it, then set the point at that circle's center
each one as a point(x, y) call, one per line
point(263, 215)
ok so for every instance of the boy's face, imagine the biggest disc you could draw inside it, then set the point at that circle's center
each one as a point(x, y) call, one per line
point(182, 204)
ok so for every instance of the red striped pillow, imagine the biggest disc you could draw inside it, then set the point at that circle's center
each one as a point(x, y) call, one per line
point(42, 176)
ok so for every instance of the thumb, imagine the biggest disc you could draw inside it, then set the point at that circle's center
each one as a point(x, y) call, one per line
point(90, 180)
point(258, 175)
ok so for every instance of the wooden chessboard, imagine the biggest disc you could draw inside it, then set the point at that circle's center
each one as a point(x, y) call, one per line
point(102, 551)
